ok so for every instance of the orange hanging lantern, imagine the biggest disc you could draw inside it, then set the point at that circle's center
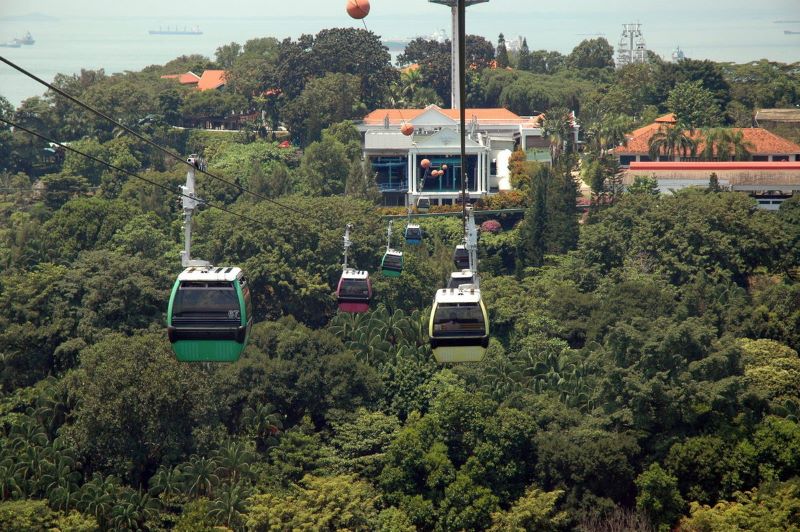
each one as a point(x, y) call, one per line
point(358, 9)
point(425, 163)
point(444, 167)
point(406, 129)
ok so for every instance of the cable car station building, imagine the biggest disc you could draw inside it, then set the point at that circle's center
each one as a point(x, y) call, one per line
point(492, 135)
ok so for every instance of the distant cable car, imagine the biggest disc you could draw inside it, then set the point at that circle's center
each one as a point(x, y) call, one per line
point(354, 291)
point(413, 234)
point(459, 325)
point(392, 263)
point(461, 257)
point(461, 278)
point(209, 315)
point(423, 204)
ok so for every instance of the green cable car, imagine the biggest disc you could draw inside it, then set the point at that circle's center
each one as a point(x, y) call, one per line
point(209, 315)
point(392, 263)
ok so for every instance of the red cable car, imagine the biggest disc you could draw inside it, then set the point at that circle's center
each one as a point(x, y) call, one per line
point(354, 291)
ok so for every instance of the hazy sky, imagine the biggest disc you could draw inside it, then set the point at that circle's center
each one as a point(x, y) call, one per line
point(676, 10)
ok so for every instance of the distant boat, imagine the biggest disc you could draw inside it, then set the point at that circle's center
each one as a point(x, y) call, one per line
point(176, 31)
point(396, 45)
point(790, 32)
point(13, 43)
point(27, 39)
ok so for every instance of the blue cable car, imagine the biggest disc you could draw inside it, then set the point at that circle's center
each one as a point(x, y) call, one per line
point(413, 234)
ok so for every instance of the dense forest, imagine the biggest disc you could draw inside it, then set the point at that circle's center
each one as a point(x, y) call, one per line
point(643, 371)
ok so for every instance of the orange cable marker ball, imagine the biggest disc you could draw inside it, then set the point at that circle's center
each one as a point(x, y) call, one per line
point(406, 129)
point(358, 9)
point(425, 163)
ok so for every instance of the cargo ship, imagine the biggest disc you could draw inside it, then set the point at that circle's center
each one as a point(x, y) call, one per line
point(176, 31)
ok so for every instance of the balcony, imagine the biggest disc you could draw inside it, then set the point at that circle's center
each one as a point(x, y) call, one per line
point(393, 186)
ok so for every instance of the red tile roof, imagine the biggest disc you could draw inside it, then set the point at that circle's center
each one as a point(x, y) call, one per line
point(188, 78)
point(211, 79)
point(397, 116)
point(717, 165)
point(763, 142)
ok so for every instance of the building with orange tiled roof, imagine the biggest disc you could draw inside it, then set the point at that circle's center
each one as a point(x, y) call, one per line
point(763, 145)
point(211, 80)
point(493, 134)
point(771, 176)
point(187, 78)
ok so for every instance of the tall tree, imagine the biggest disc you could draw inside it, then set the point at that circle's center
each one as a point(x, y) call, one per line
point(671, 141)
point(694, 105)
point(592, 53)
point(524, 61)
point(502, 52)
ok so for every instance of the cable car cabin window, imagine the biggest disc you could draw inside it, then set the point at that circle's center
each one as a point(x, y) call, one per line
point(354, 288)
point(201, 299)
point(455, 282)
point(459, 319)
point(393, 261)
point(414, 232)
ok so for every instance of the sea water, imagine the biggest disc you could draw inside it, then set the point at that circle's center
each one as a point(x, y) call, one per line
point(67, 44)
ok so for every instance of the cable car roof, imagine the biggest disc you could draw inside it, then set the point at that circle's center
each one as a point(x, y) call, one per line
point(394, 252)
point(462, 294)
point(210, 273)
point(463, 274)
point(355, 274)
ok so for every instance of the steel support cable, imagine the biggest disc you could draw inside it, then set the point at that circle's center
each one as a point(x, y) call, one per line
point(131, 174)
point(145, 139)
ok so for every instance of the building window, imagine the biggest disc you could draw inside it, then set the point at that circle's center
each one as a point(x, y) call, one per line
point(644, 158)
point(761, 157)
point(391, 173)
point(493, 167)
point(780, 158)
point(626, 160)
point(450, 180)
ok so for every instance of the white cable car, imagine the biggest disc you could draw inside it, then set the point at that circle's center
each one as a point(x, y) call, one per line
point(423, 204)
point(459, 325)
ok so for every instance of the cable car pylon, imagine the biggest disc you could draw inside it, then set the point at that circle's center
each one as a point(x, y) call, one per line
point(459, 324)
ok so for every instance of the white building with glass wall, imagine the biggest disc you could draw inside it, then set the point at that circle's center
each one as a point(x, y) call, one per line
point(492, 135)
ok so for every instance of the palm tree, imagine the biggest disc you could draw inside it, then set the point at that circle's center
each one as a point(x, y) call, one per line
point(557, 125)
point(97, 497)
point(60, 481)
point(264, 423)
point(10, 478)
point(410, 81)
point(132, 510)
point(230, 504)
point(715, 141)
point(167, 482)
point(740, 148)
point(234, 460)
point(200, 476)
point(670, 141)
